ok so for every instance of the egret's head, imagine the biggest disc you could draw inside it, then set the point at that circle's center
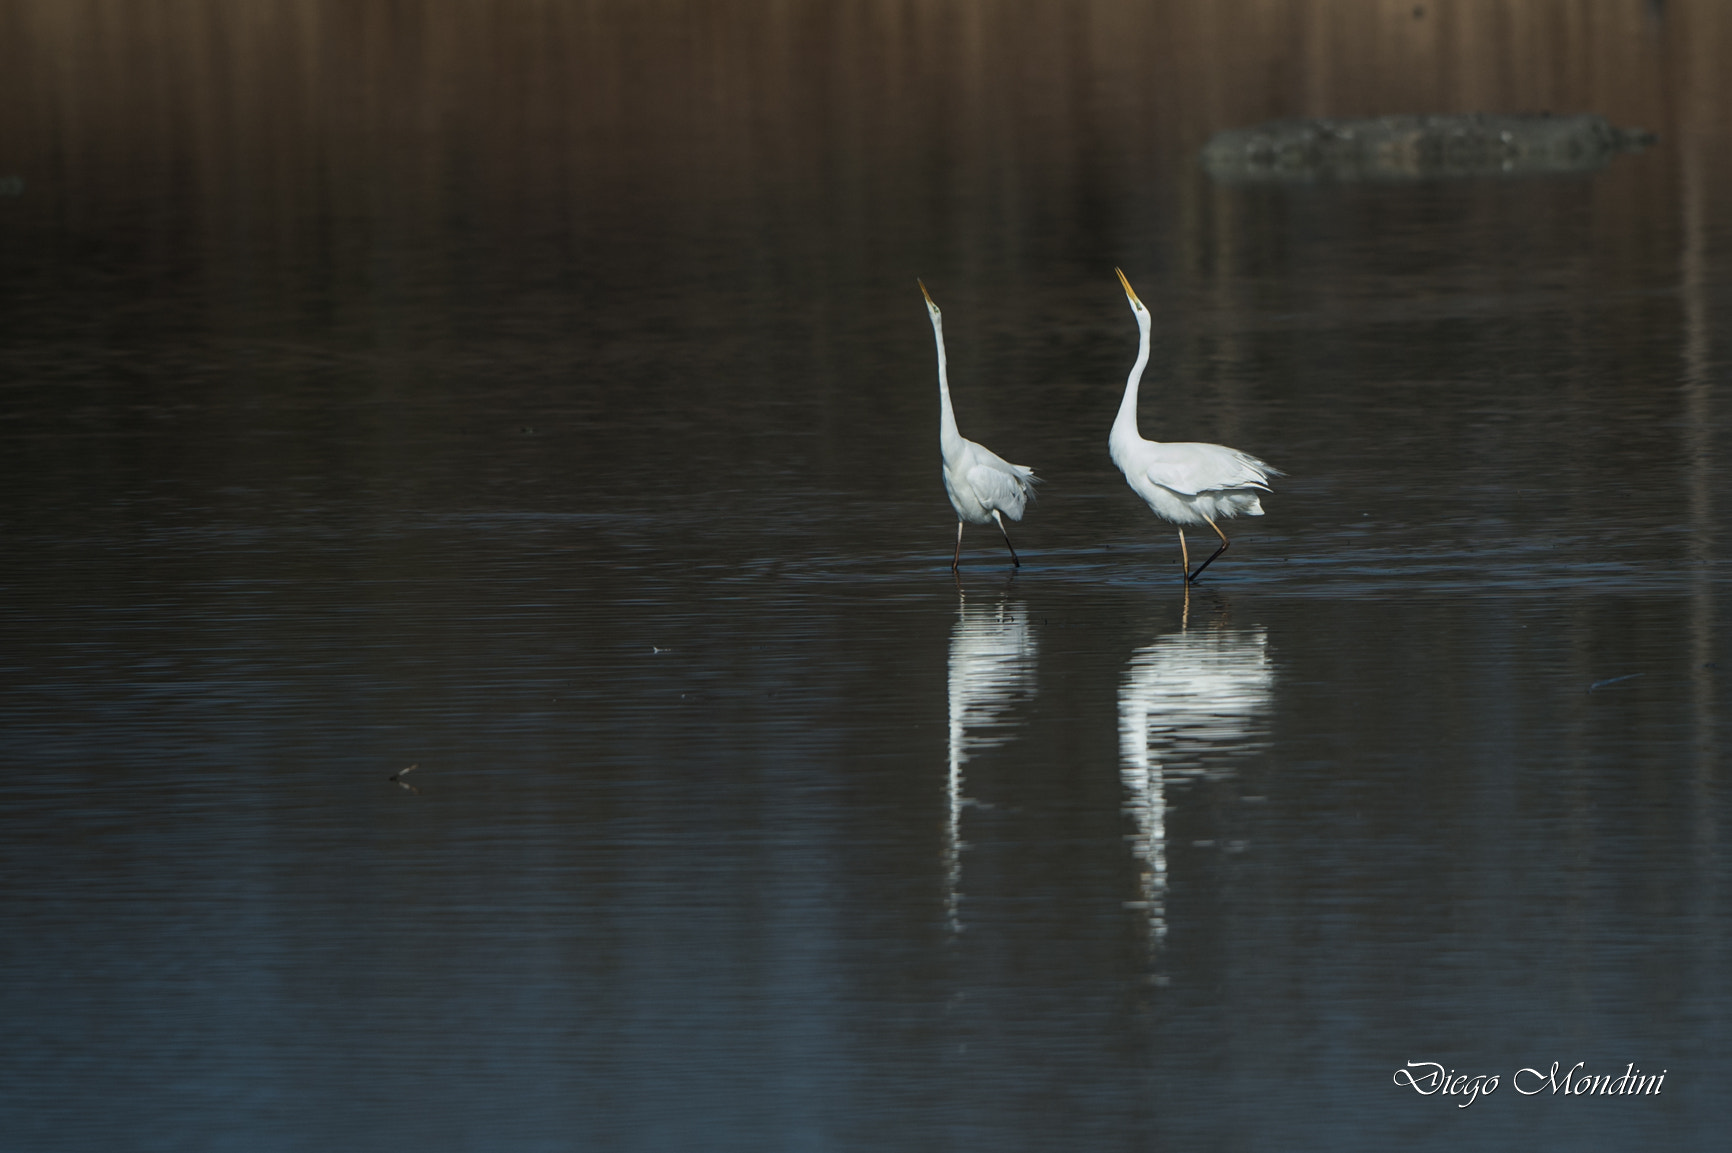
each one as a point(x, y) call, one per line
point(1131, 293)
point(930, 307)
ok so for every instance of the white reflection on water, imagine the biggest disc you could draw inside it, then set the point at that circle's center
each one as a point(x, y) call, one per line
point(1191, 703)
point(991, 665)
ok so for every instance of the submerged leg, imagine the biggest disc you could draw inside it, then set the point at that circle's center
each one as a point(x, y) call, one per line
point(1013, 557)
point(1224, 543)
point(957, 559)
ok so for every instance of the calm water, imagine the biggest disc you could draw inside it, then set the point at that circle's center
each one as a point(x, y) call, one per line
point(546, 401)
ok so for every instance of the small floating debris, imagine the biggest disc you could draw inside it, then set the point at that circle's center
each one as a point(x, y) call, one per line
point(1398, 148)
point(1612, 681)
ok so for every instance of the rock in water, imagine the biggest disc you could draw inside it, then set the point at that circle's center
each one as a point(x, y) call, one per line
point(1417, 147)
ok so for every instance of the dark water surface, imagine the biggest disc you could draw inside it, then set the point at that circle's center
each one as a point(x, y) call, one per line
point(544, 398)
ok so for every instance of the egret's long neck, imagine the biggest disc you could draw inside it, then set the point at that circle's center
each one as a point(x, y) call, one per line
point(947, 434)
point(1125, 425)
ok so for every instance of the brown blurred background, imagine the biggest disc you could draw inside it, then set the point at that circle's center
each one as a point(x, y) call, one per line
point(260, 118)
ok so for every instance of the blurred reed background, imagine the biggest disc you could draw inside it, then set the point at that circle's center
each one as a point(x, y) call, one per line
point(256, 132)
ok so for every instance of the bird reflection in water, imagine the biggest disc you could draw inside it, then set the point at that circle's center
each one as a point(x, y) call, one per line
point(992, 655)
point(1191, 704)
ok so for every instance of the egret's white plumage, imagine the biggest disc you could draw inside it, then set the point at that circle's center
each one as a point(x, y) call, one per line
point(1184, 482)
point(984, 488)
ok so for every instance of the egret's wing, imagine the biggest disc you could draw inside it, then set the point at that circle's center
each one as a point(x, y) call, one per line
point(997, 486)
point(1189, 469)
point(997, 483)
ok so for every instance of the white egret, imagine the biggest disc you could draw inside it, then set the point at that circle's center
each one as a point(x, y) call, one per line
point(1186, 483)
point(984, 488)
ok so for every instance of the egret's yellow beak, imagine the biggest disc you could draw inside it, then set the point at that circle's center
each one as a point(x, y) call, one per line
point(924, 293)
point(1129, 291)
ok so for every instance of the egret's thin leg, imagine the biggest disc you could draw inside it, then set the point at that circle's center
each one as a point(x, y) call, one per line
point(957, 559)
point(1013, 557)
point(1224, 543)
point(1184, 556)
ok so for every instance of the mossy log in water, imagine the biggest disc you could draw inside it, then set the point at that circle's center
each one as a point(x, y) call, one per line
point(1418, 147)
